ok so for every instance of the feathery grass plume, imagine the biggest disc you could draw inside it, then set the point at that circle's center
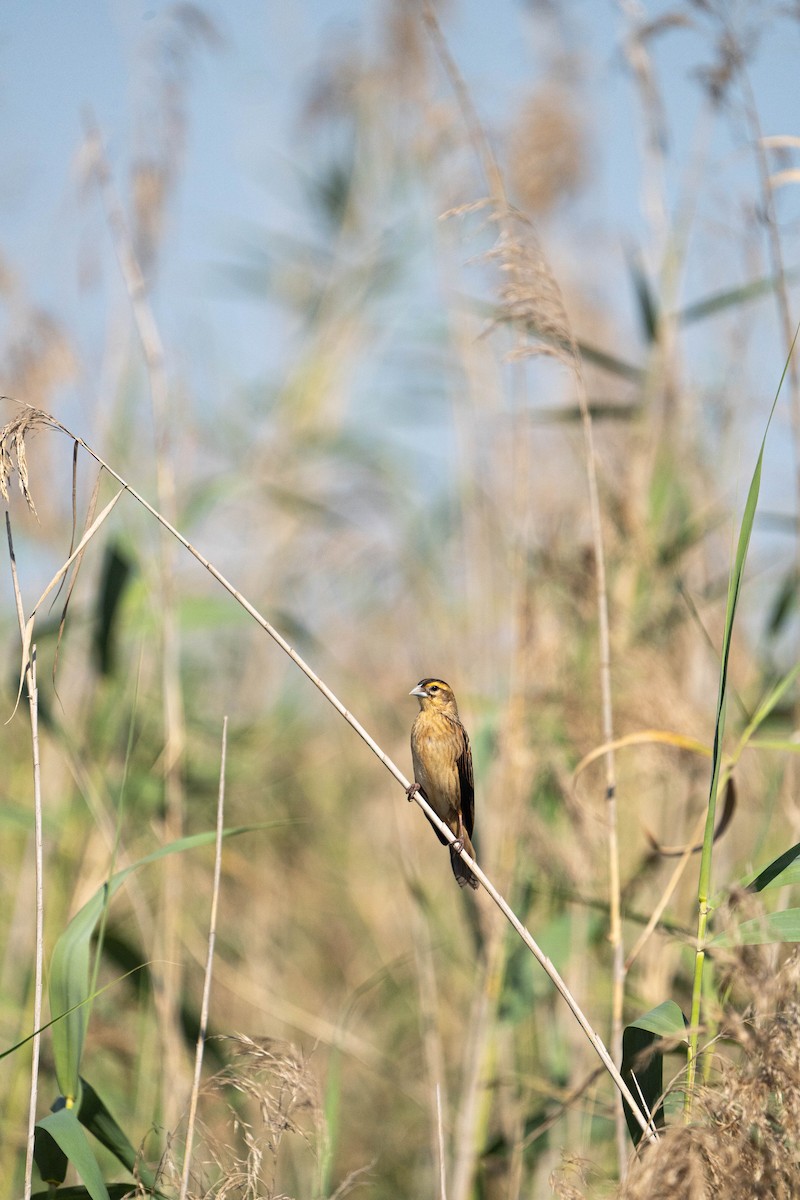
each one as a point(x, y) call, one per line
point(530, 297)
point(280, 1096)
point(12, 451)
point(275, 1075)
point(569, 1180)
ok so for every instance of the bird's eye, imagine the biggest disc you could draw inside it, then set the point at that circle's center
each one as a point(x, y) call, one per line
point(433, 688)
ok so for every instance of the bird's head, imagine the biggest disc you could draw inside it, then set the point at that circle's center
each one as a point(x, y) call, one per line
point(435, 696)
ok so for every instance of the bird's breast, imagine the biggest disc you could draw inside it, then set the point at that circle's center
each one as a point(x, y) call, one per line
point(434, 750)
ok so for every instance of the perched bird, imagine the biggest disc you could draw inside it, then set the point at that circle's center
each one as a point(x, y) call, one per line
point(443, 768)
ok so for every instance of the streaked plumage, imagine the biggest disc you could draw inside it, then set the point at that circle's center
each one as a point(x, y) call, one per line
point(443, 767)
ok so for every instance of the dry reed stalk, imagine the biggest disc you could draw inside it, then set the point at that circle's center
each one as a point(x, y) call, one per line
point(33, 704)
point(440, 1145)
point(90, 515)
point(666, 894)
point(36, 417)
point(475, 1057)
point(167, 996)
point(212, 935)
point(431, 1038)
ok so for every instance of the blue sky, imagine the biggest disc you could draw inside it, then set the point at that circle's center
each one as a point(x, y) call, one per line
point(58, 60)
point(241, 171)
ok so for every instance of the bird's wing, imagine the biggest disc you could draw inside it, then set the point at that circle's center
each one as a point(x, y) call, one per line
point(466, 781)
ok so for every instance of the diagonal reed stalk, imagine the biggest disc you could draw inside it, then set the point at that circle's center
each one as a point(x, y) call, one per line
point(29, 420)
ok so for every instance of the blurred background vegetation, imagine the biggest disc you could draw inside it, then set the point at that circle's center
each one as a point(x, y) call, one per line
point(403, 496)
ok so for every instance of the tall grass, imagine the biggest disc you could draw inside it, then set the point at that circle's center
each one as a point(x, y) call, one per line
point(409, 495)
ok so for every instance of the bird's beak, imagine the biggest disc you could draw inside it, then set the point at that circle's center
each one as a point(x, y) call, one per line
point(419, 690)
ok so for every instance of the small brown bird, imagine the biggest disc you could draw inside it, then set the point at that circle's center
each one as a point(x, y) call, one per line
point(443, 768)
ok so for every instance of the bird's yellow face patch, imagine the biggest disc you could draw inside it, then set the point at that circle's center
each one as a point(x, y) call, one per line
point(432, 686)
point(434, 693)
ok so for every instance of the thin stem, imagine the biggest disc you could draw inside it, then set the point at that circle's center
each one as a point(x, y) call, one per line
point(431, 1037)
point(666, 895)
point(618, 966)
point(152, 344)
point(212, 934)
point(469, 1135)
point(440, 1144)
point(704, 887)
point(33, 703)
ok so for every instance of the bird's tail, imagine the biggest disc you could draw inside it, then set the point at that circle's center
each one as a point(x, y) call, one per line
point(461, 871)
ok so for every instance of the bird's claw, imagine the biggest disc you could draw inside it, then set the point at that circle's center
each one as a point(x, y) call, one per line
point(457, 845)
point(412, 790)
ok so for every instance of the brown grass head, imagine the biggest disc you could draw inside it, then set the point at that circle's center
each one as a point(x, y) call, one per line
point(266, 1092)
point(12, 451)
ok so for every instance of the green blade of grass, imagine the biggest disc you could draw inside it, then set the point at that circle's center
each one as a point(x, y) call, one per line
point(782, 871)
point(64, 1128)
point(643, 1061)
point(70, 963)
point(95, 1116)
point(772, 698)
point(50, 1159)
point(733, 298)
point(774, 927)
point(784, 745)
point(734, 589)
point(116, 1191)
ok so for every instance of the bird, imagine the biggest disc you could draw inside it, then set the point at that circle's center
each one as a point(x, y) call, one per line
point(442, 760)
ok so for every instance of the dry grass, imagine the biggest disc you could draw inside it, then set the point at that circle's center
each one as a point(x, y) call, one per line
point(744, 1141)
point(266, 1095)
